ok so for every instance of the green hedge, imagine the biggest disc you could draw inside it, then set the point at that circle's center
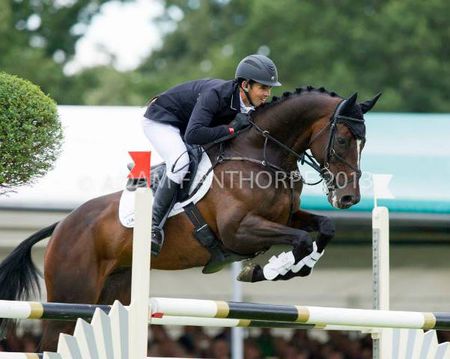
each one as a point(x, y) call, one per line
point(30, 132)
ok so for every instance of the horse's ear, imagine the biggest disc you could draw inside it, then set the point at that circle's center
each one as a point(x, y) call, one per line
point(349, 103)
point(366, 106)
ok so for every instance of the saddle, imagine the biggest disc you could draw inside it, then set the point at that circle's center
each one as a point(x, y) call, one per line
point(220, 256)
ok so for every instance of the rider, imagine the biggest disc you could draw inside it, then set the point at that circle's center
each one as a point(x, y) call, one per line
point(200, 112)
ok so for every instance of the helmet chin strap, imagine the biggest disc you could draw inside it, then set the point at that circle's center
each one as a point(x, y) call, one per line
point(248, 96)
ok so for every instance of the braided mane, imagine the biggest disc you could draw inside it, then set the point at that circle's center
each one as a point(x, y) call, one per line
point(298, 92)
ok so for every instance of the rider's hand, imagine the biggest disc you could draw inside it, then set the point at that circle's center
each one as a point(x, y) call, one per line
point(240, 121)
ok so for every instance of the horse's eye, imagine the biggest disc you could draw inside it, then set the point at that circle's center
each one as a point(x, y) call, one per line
point(341, 141)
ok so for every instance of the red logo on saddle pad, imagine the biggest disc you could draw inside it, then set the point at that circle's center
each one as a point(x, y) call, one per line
point(141, 167)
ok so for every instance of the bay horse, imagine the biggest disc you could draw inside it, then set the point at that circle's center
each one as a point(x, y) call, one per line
point(88, 258)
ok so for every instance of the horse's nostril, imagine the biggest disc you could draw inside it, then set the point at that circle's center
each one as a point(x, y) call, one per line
point(348, 199)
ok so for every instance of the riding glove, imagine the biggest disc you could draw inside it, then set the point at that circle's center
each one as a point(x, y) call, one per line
point(240, 121)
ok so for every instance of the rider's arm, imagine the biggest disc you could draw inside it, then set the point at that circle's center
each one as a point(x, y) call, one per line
point(198, 131)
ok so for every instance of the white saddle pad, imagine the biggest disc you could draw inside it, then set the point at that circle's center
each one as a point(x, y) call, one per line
point(126, 205)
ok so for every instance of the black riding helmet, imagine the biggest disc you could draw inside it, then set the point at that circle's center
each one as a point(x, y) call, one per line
point(258, 68)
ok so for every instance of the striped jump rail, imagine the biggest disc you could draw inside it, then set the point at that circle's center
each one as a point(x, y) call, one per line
point(299, 314)
point(246, 314)
point(107, 336)
point(51, 311)
point(71, 312)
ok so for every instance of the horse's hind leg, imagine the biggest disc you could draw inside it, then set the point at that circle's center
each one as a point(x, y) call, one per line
point(50, 334)
point(72, 275)
point(117, 287)
point(65, 290)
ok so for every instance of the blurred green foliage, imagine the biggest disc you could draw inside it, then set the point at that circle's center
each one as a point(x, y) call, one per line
point(30, 132)
point(399, 47)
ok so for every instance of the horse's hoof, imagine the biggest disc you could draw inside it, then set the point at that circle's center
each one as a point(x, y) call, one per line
point(305, 271)
point(251, 273)
point(246, 274)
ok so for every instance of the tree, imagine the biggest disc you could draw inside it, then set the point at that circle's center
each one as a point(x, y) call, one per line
point(30, 132)
point(399, 47)
point(37, 39)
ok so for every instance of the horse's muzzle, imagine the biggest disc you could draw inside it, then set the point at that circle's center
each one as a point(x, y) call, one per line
point(343, 201)
point(348, 201)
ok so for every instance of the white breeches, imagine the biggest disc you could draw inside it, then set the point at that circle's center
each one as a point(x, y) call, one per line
point(167, 141)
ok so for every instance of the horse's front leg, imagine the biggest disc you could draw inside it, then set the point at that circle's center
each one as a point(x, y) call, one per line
point(311, 223)
point(255, 234)
point(314, 223)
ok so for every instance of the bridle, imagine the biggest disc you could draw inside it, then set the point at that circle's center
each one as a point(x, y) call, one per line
point(330, 152)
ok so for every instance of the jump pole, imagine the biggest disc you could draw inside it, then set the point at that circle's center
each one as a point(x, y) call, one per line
point(382, 340)
point(140, 277)
point(138, 311)
point(380, 272)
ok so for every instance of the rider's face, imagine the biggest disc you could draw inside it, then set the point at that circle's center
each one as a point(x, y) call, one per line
point(258, 93)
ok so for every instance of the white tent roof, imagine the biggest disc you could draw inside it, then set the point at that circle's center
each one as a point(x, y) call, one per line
point(93, 160)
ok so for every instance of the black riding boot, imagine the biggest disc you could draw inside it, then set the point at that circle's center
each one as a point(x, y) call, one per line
point(165, 197)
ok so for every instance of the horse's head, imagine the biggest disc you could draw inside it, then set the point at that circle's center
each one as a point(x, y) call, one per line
point(331, 127)
point(336, 142)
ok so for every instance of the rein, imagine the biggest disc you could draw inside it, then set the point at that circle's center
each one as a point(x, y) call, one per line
point(323, 170)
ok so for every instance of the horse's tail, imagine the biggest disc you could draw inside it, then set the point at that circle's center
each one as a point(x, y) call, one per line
point(18, 274)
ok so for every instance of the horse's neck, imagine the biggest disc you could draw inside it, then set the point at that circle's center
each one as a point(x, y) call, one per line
point(290, 122)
